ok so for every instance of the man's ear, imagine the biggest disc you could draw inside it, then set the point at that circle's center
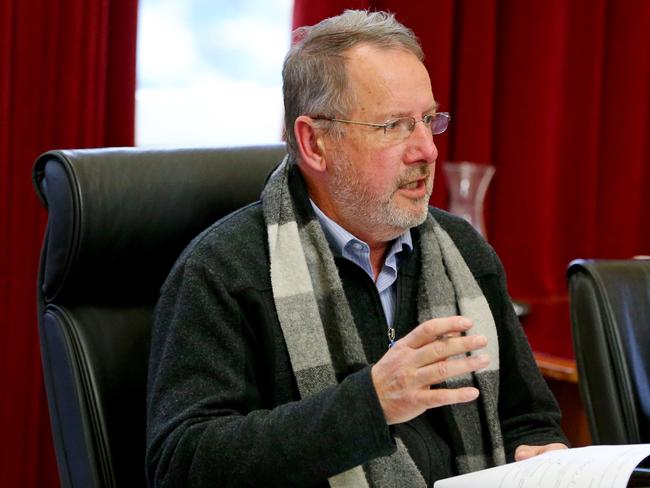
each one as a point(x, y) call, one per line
point(310, 143)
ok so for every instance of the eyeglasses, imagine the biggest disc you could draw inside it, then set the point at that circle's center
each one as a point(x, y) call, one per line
point(402, 127)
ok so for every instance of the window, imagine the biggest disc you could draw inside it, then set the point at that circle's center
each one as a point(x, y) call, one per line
point(209, 71)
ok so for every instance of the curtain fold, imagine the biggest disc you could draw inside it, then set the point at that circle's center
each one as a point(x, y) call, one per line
point(556, 95)
point(67, 80)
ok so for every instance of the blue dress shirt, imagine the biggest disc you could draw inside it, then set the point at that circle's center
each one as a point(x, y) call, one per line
point(357, 251)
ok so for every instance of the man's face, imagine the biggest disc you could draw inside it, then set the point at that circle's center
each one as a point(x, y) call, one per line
point(381, 187)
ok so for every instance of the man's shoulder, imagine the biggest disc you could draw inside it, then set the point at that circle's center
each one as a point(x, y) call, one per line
point(235, 241)
point(478, 254)
point(245, 225)
point(457, 227)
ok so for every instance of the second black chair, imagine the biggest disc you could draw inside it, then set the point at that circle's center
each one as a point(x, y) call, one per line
point(610, 314)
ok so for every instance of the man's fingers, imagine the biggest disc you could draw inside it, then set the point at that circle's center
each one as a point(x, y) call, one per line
point(447, 396)
point(441, 349)
point(433, 352)
point(433, 329)
point(525, 451)
point(440, 371)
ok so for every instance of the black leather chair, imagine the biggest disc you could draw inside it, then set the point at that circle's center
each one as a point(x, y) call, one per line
point(610, 315)
point(117, 220)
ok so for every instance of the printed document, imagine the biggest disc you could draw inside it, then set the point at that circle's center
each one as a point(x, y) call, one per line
point(589, 467)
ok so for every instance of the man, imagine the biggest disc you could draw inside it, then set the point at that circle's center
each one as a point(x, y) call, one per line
point(341, 331)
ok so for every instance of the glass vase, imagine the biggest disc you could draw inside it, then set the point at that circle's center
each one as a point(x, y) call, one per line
point(467, 184)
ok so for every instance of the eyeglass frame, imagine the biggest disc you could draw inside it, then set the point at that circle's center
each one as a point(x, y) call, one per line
point(392, 121)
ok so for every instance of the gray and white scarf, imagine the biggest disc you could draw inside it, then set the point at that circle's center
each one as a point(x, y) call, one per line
point(312, 306)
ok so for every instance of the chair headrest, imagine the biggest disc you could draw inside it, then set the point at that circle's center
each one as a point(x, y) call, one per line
point(119, 217)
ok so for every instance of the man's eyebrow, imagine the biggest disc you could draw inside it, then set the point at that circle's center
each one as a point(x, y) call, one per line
point(432, 108)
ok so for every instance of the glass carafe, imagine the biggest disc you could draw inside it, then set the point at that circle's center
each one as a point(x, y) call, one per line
point(467, 184)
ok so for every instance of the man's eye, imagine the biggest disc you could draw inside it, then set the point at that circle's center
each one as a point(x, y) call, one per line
point(393, 125)
point(427, 119)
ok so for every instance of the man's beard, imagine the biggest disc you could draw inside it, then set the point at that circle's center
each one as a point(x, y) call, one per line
point(379, 212)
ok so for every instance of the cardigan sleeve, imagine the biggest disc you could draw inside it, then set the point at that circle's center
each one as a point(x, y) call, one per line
point(528, 411)
point(206, 425)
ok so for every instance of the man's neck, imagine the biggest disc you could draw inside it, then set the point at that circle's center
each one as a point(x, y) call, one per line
point(378, 257)
point(378, 248)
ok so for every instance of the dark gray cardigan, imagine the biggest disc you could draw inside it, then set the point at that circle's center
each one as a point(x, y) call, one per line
point(223, 405)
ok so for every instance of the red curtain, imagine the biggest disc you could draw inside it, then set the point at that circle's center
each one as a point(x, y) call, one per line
point(67, 79)
point(556, 95)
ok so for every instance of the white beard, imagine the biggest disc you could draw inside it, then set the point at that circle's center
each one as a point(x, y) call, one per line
point(378, 213)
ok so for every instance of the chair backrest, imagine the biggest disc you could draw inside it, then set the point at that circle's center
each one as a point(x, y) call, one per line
point(610, 315)
point(117, 220)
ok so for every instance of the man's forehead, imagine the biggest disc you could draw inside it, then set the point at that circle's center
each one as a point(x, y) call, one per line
point(367, 51)
point(392, 82)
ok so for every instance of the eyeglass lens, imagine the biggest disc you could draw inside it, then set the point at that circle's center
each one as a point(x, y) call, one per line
point(439, 123)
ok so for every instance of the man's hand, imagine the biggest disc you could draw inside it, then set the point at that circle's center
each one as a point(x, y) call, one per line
point(404, 375)
point(525, 452)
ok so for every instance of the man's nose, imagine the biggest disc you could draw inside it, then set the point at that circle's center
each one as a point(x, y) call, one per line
point(420, 145)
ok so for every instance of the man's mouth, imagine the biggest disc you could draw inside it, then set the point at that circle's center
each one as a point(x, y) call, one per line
point(415, 189)
point(412, 185)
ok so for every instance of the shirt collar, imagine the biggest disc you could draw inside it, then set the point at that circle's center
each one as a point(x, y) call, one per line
point(340, 239)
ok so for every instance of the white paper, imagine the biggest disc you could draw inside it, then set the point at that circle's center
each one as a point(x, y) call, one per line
point(588, 467)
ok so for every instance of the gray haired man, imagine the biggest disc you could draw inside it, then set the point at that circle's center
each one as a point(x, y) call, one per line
point(340, 331)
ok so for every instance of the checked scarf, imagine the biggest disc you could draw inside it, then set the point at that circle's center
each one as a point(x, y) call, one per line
point(312, 307)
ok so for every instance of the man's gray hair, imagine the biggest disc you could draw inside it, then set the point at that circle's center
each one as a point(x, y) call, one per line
point(314, 75)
